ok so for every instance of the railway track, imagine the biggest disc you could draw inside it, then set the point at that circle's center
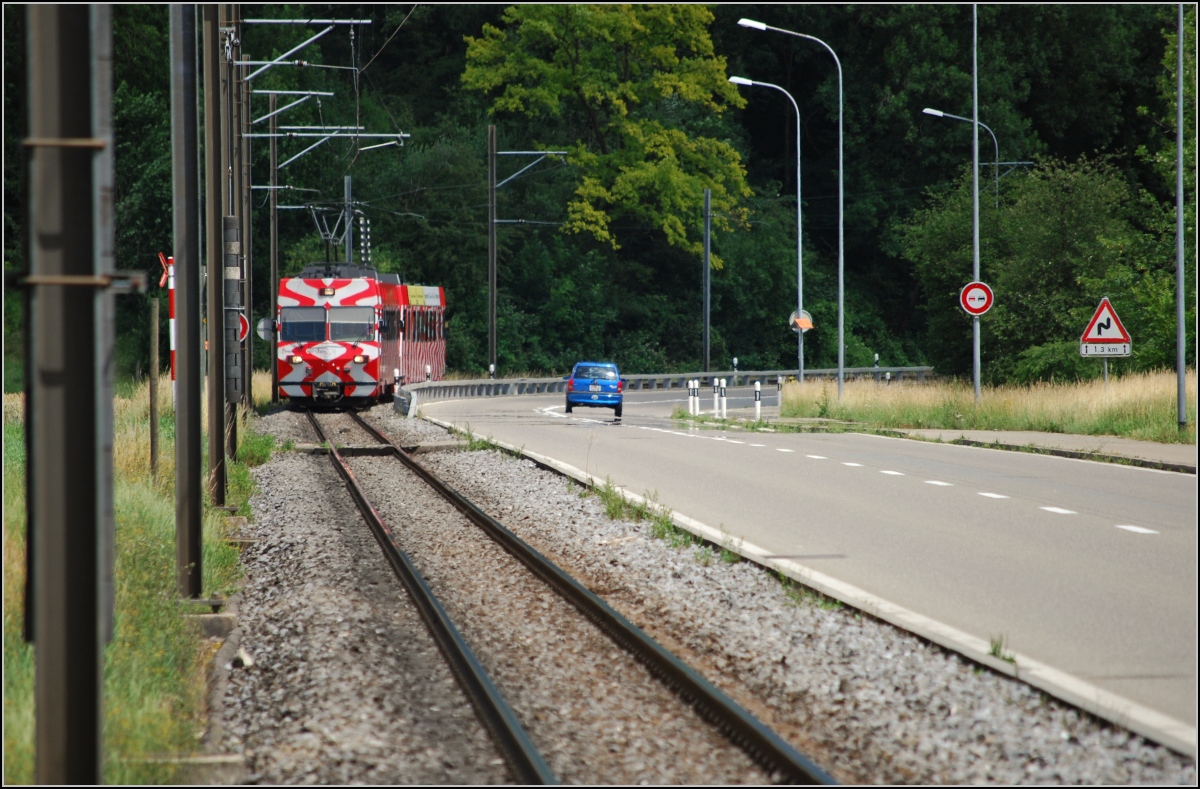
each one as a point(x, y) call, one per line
point(777, 759)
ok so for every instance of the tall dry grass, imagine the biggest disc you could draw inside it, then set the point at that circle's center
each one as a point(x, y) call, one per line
point(154, 682)
point(1137, 405)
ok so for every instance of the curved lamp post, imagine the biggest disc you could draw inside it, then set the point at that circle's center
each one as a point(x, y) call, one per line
point(996, 161)
point(799, 248)
point(841, 180)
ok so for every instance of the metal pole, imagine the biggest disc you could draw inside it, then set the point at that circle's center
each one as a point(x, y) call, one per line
point(105, 235)
point(66, 427)
point(274, 256)
point(153, 386)
point(185, 207)
point(799, 259)
point(975, 175)
point(247, 249)
point(1180, 336)
point(349, 223)
point(234, 383)
point(491, 143)
point(216, 302)
point(799, 223)
point(707, 273)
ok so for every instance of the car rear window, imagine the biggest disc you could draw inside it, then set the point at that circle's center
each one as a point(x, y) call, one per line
point(602, 373)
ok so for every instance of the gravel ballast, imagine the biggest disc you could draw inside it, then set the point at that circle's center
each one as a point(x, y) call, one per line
point(595, 714)
point(346, 685)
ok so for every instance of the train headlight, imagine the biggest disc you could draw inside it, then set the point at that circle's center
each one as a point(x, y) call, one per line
point(360, 359)
point(294, 359)
point(326, 291)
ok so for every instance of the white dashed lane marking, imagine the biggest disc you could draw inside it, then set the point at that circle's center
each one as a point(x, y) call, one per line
point(890, 472)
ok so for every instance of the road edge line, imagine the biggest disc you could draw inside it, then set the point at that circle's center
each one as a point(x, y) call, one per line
point(1103, 704)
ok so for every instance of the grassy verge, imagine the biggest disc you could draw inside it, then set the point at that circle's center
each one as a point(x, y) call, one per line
point(154, 666)
point(1140, 406)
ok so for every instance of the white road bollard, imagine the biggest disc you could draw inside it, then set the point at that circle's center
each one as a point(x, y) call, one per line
point(724, 412)
point(694, 400)
point(889, 377)
point(757, 401)
point(716, 404)
point(691, 408)
point(428, 372)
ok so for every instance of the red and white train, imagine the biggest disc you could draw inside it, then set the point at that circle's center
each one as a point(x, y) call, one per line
point(349, 335)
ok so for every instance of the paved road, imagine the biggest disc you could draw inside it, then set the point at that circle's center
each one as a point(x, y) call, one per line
point(1087, 567)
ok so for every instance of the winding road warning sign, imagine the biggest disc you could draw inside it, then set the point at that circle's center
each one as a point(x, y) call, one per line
point(1105, 335)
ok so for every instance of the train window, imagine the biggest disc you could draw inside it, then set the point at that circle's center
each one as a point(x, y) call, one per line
point(349, 324)
point(392, 322)
point(302, 324)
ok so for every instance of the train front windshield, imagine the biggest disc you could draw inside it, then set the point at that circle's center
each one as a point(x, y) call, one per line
point(302, 324)
point(350, 324)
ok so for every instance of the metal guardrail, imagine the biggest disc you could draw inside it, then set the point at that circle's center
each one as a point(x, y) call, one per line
point(409, 396)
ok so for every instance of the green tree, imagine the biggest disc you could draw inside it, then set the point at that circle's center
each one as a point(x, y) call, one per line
point(636, 87)
point(1063, 236)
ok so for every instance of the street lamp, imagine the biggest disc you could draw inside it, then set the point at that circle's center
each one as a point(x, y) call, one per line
point(995, 163)
point(799, 248)
point(841, 180)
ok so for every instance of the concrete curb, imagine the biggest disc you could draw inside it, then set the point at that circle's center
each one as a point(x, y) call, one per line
point(1137, 718)
point(1125, 460)
point(212, 768)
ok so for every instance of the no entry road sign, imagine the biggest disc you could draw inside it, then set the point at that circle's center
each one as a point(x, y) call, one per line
point(976, 298)
point(1105, 335)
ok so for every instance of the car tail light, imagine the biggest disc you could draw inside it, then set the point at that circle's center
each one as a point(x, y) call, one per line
point(620, 386)
point(571, 385)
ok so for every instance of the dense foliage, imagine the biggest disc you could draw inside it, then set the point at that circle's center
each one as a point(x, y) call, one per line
point(606, 259)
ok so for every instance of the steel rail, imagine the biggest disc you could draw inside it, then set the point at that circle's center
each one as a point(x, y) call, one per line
point(497, 715)
point(766, 747)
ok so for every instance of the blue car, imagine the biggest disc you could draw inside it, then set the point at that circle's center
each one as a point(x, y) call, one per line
point(595, 384)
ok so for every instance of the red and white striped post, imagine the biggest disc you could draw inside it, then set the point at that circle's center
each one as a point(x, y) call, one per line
point(168, 277)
